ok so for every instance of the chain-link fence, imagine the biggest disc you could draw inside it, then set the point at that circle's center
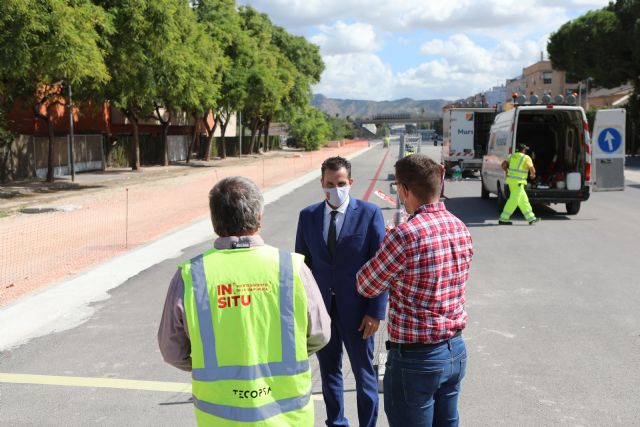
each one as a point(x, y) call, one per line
point(38, 249)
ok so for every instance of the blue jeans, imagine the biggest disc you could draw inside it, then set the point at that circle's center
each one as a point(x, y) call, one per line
point(421, 387)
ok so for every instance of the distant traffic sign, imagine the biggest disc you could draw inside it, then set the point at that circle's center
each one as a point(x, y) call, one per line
point(609, 140)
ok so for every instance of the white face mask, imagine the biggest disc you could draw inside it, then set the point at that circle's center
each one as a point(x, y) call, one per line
point(336, 196)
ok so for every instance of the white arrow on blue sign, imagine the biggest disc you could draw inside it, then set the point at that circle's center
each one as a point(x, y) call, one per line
point(609, 140)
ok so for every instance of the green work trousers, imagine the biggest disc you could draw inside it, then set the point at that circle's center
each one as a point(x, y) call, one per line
point(517, 199)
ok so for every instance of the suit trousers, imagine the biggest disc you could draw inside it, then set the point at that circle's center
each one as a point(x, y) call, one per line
point(360, 354)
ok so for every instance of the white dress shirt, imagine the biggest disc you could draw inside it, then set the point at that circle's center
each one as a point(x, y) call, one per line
point(342, 210)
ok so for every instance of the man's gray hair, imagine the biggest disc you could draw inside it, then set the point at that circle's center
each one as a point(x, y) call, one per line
point(236, 205)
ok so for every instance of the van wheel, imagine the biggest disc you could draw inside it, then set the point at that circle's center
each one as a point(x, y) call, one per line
point(573, 208)
point(501, 200)
point(484, 193)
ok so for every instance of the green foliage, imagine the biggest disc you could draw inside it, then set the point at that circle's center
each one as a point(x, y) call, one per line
point(268, 78)
point(591, 46)
point(338, 127)
point(44, 41)
point(140, 59)
point(195, 63)
point(284, 68)
point(118, 155)
point(591, 117)
point(6, 138)
point(603, 45)
point(310, 128)
point(189, 56)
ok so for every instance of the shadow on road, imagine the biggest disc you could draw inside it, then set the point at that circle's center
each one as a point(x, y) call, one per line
point(183, 402)
point(475, 212)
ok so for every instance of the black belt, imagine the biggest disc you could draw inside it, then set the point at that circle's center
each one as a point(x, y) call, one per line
point(418, 345)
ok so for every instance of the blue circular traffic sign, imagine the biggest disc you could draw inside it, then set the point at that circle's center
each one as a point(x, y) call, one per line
point(609, 140)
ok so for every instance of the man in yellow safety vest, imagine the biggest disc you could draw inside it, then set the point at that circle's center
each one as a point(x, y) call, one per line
point(243, 317)
point(518, 167)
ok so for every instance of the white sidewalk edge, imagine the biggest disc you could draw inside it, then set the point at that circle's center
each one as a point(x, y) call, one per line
point(67, 304)
point(632, 175)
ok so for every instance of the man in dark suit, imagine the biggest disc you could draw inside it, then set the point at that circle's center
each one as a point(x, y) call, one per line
point(338, 236)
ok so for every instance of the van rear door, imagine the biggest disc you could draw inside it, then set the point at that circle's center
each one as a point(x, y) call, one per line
point(461, 135)
point(608, 150)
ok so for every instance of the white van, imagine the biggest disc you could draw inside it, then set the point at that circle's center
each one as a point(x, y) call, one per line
point(560, 146)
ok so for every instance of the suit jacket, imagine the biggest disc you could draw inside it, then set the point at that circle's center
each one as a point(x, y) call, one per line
point(360, 237)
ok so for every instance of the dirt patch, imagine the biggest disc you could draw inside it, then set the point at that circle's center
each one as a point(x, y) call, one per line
point(16, 195)
point(118, 210)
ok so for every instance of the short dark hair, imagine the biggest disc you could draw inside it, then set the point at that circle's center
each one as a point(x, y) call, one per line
point(236, 204)
point(420, 174)
point(335, 164)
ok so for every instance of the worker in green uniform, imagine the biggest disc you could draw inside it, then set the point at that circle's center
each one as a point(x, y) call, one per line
point(518, 167)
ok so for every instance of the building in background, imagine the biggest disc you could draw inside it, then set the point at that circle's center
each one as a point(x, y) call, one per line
point(541, 79)
point(496, 95)
point(514, 85)
point(614, 97)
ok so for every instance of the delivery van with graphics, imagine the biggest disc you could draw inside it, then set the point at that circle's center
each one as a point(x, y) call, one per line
point(466, 133)
point(561, 148)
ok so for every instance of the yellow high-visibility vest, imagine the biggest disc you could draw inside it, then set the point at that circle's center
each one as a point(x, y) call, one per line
point(518, 170)
point(246, 313)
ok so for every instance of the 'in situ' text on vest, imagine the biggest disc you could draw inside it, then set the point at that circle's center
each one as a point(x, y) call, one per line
point(238, 295)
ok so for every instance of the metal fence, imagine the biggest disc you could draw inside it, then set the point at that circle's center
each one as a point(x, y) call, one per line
point(27, 157)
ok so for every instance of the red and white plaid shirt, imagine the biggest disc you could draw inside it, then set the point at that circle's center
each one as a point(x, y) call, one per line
point(424, 263)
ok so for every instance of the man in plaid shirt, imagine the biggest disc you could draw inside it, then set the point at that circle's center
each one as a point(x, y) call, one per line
point(424, 264)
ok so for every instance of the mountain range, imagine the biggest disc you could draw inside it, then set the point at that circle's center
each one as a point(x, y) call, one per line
point(367, 109)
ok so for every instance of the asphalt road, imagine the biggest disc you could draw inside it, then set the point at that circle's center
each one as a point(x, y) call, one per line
point(553, 335)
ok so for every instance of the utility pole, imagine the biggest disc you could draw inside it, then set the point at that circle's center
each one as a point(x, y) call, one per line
point(586, 96)
point(241, 132)
point(399, 210)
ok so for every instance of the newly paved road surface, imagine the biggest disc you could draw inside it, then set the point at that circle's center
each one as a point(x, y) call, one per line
point(553, 334)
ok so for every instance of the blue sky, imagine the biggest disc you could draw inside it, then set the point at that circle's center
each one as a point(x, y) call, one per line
point(421, 49)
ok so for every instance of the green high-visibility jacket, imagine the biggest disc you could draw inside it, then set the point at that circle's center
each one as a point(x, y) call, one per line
point(246, 312)
point(518, 170)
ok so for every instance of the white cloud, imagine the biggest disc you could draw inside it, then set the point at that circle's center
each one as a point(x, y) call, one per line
point(356, 76)
point(575, 4)
point(481, 44)
point(408, 15)
point(461, 67)
point(344, 38)
point(456, 67)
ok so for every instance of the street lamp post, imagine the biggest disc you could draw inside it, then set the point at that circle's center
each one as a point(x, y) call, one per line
point(240, 130)
point(71, 141)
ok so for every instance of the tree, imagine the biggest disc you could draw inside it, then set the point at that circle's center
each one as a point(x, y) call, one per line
point(306, 67)
point(269, 78)
point(222, 22)
point(46, 45)
point(150, 51)
point(338, 127)
point(603, 45)
point(187, 77)
point(310, 128)
point(6, 138)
